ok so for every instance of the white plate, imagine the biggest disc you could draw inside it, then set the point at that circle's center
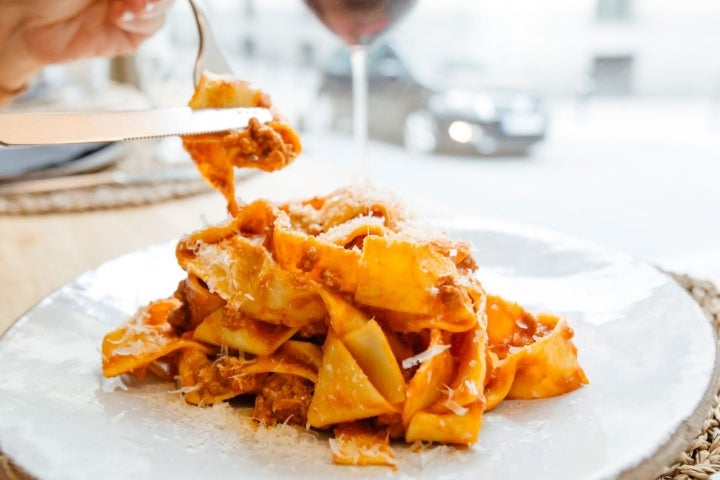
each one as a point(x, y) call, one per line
point(645, 345)
point(47, 161)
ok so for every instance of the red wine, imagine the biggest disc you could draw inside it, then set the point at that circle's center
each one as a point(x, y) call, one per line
point(359, 22)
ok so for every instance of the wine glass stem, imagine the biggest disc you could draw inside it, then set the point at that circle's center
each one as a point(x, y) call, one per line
point(358, 62)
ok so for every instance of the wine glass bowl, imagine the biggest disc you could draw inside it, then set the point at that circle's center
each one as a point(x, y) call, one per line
point(358, 23)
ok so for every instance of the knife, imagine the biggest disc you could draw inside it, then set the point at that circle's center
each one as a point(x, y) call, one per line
point(89, 127)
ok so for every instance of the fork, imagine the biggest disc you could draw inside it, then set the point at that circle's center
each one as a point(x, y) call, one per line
point(209, 56)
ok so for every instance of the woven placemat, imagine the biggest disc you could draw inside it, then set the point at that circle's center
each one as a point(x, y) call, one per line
point(701, 458)
point(143, 172)
point(699, 461)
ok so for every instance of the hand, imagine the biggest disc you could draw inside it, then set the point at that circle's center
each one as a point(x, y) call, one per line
point(36, 33)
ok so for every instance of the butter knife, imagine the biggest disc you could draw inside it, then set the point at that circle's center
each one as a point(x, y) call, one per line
point(111, 126)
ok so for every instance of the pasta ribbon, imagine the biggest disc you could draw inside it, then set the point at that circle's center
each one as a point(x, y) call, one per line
point(145, 338)
point(368, 345)
point(236, 265)
point(343, 392)
point(452, 428)
point(329, 264)
point(549, 366)
point(434, 373)
point(229, 328)
point(386, 263)
point(357, 443)
point(534, 357)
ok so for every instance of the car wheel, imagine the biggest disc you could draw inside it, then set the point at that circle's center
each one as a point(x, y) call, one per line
point(420, 132)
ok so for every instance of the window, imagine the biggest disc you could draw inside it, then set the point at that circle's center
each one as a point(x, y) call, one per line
point(612, 75)
point(249, 9)
point(613, 10)
point(248, 47)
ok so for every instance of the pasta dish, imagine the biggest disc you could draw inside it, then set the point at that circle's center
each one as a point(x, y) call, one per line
point(341, 313)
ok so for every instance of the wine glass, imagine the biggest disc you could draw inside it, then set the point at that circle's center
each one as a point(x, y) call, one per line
point(358, 23)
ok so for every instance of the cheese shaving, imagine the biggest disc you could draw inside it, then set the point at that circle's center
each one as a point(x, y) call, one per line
point(184, 390)
point(455, 407)
point(424, 356)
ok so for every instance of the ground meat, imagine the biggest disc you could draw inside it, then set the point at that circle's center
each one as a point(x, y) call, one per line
point(218, 377)
point(268, 147)
point(178, 317)
point(450, 294)
point(197, 303)
point(393, 422)
point(313, 329)
point(283, 398)
point(226, 369)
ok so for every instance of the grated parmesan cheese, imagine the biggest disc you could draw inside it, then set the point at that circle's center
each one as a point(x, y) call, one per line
point(455, 407)
point(424, 356)
point(184, 390)
point(451, 404)
point(472, 387)
point(350, 449)
point(135, 348)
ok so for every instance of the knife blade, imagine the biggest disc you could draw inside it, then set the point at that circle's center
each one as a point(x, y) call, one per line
point(110, 126)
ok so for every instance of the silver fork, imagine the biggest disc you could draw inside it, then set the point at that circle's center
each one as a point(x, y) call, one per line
point(209, 56)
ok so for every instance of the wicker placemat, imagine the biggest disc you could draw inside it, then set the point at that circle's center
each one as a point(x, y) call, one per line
point(173, 176)
point(699, 461)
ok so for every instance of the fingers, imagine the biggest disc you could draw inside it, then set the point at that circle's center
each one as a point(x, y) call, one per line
point(139, 17)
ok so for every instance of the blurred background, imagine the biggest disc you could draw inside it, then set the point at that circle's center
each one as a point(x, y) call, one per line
point(599, 118)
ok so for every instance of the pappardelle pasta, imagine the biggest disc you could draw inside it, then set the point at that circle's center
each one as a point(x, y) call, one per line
point(340, 313)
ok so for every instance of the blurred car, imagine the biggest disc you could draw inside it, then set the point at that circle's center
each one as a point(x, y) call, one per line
point(427, 117)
